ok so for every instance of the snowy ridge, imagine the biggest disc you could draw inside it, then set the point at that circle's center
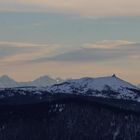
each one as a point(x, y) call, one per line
point(43, 81)
point(106, 87)
point(6, 81)
point(110, 87)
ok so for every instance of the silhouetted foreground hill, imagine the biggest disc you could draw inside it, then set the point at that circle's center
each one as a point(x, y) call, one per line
point(69, 117)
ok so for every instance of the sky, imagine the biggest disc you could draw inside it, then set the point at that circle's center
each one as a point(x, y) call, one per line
point(70, 38)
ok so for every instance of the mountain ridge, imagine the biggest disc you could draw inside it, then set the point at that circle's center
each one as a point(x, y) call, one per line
point(6, 81)
point(107, 87)
point(42, 81)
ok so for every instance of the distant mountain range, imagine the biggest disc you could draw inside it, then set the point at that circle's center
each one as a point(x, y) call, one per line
point(43, 81)
point(7, 82)
point(106, 87)
point(41, 90)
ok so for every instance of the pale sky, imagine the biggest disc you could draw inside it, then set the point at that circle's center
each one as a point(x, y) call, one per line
point(96, 8)
point(70, 38)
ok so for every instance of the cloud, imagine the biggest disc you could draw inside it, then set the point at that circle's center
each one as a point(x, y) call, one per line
point(97, 59)
point(103, 51)
point(108, 44)
point(17, 52)
point(100, 52)
point(19, 44)
point(90, 8)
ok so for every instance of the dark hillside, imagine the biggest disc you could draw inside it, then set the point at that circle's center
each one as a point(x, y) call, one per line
point(69, 118)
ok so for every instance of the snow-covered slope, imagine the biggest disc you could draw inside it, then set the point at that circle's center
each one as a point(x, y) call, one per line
point(44, 81)
point(110, 87)
point(106, 87)
point(6, 81)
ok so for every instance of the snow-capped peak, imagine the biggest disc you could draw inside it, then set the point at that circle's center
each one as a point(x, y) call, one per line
point(6, 81)
point(44, 81)
point(5, 77)
point(97, 87)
